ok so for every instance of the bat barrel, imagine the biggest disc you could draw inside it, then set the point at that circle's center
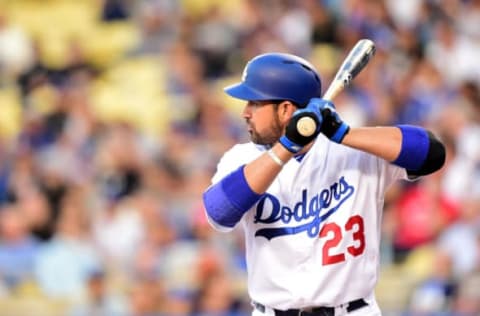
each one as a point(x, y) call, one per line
point(356, 60)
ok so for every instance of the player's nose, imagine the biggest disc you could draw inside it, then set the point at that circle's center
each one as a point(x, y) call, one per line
point(247, 111)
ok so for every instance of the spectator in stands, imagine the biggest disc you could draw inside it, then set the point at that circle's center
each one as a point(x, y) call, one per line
point(100, 299)
point(63, 264)
point(18, 249)
point(77, 129)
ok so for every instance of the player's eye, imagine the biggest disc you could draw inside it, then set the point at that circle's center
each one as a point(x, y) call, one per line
point(258, 104)
point(255, 104)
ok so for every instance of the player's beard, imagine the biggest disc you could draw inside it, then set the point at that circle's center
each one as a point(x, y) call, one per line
point(271, 134)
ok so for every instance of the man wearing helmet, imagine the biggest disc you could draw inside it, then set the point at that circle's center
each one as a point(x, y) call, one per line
point(310, 204)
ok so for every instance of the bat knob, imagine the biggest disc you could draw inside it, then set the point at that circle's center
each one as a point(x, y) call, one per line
point(306, 126)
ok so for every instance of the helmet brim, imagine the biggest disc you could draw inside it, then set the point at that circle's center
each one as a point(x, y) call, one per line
point(244, 92)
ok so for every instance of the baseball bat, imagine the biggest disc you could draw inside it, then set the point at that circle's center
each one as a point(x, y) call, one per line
point(356, 60)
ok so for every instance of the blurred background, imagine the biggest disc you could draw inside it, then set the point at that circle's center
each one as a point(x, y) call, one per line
point(113, 117)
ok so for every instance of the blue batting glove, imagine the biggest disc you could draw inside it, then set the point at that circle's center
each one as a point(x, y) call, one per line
point(333, 126)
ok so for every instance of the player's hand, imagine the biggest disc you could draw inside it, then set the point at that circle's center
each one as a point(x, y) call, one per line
point(333, 127)
point(303, 127)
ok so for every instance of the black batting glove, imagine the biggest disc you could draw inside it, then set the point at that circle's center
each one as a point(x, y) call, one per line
point(332, 127)
point(303, 127)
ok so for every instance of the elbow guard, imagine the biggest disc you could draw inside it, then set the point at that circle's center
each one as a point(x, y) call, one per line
point(421, 153)
point(435, 159)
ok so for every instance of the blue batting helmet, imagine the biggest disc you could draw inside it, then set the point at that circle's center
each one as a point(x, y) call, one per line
point(278, 76)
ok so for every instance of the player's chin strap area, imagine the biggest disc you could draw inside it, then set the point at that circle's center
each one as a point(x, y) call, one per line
point(314, 311)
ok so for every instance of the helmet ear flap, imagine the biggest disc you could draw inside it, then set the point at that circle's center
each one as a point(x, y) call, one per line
point(278, 76)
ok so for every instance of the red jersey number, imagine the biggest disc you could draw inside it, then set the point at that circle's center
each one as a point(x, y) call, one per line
point(334, 234)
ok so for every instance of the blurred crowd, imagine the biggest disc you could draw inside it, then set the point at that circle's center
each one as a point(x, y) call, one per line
point(112, 119)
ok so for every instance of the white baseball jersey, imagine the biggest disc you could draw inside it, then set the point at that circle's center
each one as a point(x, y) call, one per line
point(313, 239)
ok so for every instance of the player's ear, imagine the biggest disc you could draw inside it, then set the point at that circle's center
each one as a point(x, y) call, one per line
point(285, 110)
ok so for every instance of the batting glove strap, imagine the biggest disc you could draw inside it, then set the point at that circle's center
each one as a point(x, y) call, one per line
point(289, 145)
point(340, 133)
point(333, 127)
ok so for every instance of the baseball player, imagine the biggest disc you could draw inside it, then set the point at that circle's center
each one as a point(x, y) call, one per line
point(310, 206)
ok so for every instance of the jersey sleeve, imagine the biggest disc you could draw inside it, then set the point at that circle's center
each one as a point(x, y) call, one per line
point(237, 156)
point(390, 173)
point(228, 163)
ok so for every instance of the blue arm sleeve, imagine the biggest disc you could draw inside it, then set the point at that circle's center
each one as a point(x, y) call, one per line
point(227, 200)
point(415, 147)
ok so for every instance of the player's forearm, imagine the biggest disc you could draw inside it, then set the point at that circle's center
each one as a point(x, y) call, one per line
point(411, 147)
point(261, 172)
point(384, 142)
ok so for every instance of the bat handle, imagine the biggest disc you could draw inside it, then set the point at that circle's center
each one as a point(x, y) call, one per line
point(306, 126)
point(332, 91)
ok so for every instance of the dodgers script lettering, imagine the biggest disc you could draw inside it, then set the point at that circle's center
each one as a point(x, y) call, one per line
point(314, 210)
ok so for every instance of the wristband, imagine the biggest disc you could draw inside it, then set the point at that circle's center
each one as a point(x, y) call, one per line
point(340, 133)
point(289, 145)
point(275, 158)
